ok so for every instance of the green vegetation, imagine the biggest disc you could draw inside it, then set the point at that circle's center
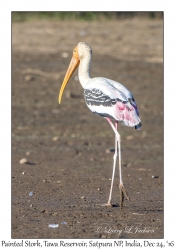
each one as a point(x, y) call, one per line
point(80, 16)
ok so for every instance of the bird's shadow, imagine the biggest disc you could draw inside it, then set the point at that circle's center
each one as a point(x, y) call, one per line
point(30, 163)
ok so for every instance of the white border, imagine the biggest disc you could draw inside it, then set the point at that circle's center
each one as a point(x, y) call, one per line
point(5, 92)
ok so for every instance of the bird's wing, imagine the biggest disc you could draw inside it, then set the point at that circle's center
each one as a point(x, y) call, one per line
point(105, 90)
point(126, 92)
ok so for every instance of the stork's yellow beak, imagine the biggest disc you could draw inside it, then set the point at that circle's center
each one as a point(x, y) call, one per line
point(72, 67)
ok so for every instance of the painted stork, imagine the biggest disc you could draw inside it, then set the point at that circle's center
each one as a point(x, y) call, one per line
point(106, 98)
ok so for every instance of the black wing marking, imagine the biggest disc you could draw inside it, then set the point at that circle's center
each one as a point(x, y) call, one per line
point(96, 97)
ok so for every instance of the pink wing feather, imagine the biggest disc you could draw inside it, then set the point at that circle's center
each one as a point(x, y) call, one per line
point(128, 113)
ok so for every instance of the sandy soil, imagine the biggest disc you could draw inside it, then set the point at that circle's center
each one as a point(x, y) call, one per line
point(69, 163)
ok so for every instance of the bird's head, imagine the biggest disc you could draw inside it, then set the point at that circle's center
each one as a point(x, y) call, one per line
point(79, 52)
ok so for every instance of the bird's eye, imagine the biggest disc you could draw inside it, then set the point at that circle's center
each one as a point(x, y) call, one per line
point(74, 50)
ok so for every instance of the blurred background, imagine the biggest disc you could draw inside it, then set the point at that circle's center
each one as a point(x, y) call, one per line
point(82, 16)
point(62, 153)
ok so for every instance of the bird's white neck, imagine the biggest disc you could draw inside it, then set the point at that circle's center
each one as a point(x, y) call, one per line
point(84, 70)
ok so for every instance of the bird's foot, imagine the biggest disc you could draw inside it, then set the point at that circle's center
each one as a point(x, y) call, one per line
point(123, 194)
point(108, 204)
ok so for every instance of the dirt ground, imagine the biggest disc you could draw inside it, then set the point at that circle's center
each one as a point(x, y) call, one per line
point(68, 149)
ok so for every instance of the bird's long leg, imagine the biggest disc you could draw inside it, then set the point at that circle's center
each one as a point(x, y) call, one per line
point(114, 158)
point(113, 171)
point(119, 152)
point(123, 192)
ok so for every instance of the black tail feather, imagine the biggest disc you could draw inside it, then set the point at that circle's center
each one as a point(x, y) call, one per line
point(138, 126)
